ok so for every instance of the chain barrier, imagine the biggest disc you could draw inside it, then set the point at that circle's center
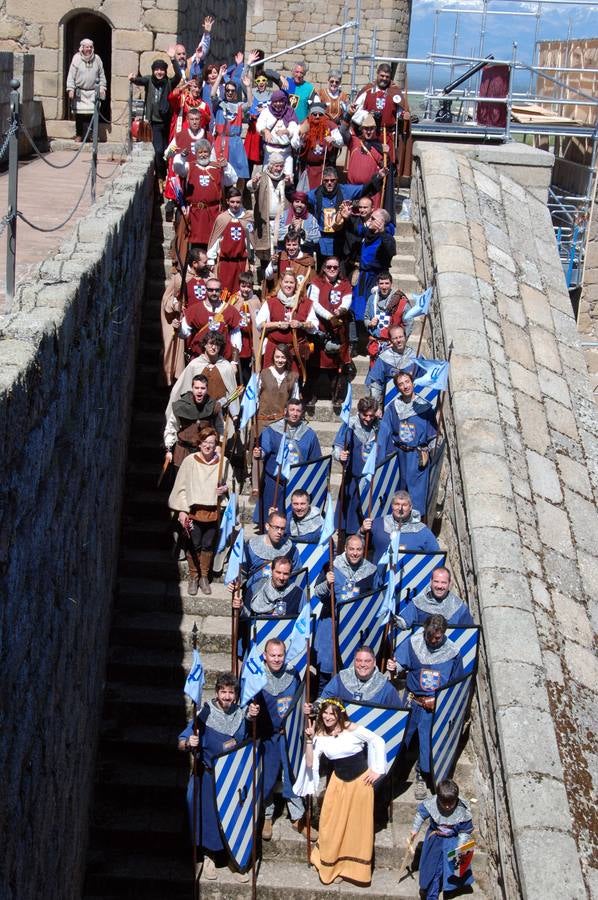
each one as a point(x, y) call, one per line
point(6, 220)
point(113, 121)
point(56, 165)
point(62, 224)
point(122, 154)
point(12, 129)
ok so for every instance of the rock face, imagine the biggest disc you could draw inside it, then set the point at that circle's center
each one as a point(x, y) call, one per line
point(66, 358)
point(523, 435)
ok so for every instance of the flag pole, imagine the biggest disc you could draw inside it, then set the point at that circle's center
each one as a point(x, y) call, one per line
point(307, 700)
point(235, 631)
point(332, 607)
point(421, 334)
point(369, 515)
point(195, 790)
point(254, 810)
point(342, 532)
point(278, 474)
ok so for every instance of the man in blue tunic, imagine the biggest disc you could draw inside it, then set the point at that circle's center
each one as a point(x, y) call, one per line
point(431, 660)
point(362, 681)
point(304, 522)
point(352, 444)
point(395, 358)
point(409, 426)
point(350, 576)
point(273, 702)
point(303, 445)
point(219, 726)
point(436, 599)
point(263, 548)
point(413, 534)
point(332, 198)
point(449, 819)
point(277, 595)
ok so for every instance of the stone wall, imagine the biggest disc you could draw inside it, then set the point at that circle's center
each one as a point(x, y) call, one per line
point(228, 34)
point(272, 26)
point(21, 67)
point(66, 377)
point(520, 514)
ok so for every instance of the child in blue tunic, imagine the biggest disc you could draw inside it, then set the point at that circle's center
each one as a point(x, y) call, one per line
point(449, 821)
point(220, 725)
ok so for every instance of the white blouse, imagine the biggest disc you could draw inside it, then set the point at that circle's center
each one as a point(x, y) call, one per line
point(347, 743)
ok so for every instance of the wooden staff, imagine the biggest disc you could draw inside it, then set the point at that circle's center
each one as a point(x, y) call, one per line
point(324, 161)
point(421, 334)
point(235, 630)
point(341, 494)
point(307, 700)
point(369, 515)
point(384, 162)
point(254, 811)
point(194, 776)
point(332, 607)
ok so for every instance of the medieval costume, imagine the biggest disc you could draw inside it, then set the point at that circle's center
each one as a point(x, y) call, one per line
point(332, 302)
point(304, 446)
point(186, 420)
point(320, 143)
point(410, 427)
point(203, 317)
point(445, 833)
point(280, 123)
point(281, 308)
point(228, 246)
point(414, 536)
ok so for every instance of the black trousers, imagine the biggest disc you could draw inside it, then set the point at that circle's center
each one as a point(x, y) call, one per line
point(160, 142)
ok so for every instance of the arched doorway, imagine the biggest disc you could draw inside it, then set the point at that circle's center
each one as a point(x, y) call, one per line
point(82, 25)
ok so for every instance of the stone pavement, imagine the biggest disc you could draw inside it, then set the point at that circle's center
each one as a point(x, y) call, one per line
point(526, 443)
point(46, 196)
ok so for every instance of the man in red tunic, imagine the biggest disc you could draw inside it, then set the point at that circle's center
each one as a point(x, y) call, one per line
point(292, 258)
point(288, 318)
point(247, 305)
point(320, 143)
point(331, 296)
point(389, 106)
point(227, 247)
point(212, 315)
point(365, 154)
point(182, 100)
point(205, 181)
point(183, 141)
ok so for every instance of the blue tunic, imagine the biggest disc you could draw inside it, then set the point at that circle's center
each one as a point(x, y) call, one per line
point(375, 256)
point(212, 744)
point(348, 439)
point(405, 434)
point(272, 711)
point(386, 695)
point(425, 604)
point(387, 365)
point(344, 192)
point(236, 150)
point(427, 671)
point(302, 449)
point(436, 872)
point(258, 556)
point(415, 536)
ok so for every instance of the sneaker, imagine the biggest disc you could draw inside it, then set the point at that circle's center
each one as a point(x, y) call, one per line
point(209, 869)
point(421, 791)
point(267, 830)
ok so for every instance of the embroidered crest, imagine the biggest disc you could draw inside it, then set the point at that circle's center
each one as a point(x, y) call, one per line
point(200, 291)
point(235, 232)
point(406, 432)
point(429, 679)
point(204, 180)
point(335, 297)
point(380, 102)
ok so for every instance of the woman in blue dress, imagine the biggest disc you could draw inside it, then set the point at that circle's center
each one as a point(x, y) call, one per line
point(449, 821)
point(219, 726)
point(409, 426)
point(229, 114)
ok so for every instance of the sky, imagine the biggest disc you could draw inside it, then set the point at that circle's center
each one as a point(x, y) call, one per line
point(501, 31)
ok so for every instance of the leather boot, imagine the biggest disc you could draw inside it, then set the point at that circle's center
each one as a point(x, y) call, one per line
point(205, 563)
point(193, 580)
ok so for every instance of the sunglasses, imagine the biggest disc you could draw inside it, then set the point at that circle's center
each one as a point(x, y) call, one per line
point(334, 81)
point(332, 267)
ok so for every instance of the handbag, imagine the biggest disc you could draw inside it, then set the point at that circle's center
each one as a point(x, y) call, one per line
point(141, 130)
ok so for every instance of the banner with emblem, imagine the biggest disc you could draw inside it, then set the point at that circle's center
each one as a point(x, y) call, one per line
point(414, 573)
point(233, 788)
point(465, 638)
point(293, 725)
point(359, 621)
point(386, 482)
point(452, 704)
point(389, 723)
point(430, 394)
point(312, 477)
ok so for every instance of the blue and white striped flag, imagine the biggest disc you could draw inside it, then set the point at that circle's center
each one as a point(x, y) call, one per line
point(421, 305)
point(369, 467)
point(236, 558)
point(328, 527)
point(253, 676)
point(283, 458)
point(250, 402)
point(347, 403)
point(300, 633)
point(389, 604)
point(227, 524)
point(195, 679)
point(435, 374)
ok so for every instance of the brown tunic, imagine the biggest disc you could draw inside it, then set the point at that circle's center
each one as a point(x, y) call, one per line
point(274, 398)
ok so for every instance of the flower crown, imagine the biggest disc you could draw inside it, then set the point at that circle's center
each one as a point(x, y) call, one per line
point(333, 701)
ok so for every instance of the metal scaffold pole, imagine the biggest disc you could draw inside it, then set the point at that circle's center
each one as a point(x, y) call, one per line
point(13, 182)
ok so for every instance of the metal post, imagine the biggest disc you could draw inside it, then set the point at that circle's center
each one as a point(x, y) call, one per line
point(372, 61)
point(94, 151)
point(13, 181)
point(129, 135)
point(455, 45)
point(536, 50)
point(510, 94)
point(428, 112)
point(478, 81)
point(344, 38)
point(355, 48)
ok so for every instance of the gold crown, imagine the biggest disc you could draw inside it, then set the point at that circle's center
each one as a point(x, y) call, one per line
point(333, 701)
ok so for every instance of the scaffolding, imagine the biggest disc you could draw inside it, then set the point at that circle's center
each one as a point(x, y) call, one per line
point(450, 111)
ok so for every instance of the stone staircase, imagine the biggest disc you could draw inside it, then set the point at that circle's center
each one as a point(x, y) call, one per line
point(137, 841)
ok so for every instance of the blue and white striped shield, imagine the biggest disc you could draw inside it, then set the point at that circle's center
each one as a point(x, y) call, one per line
point(436, 458)
point(385, 484)
point(313, 558)
point(293, 732)
point(233, 788)
point(427, 393)
point(466, 638)
point(312, 477)
point(452, 702)
point(261, 630)
point(359, 621)
point(390, 724)
point(414, 572)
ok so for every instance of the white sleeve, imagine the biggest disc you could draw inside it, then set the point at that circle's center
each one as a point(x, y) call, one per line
point(312, 319)
point(376, 749)
point(262, 121)
point(293, 128)
point(229, 176)
point(263, 316)
point(185, 330)
point(236, 339)
point(170, 430)
point(337, 138)
point(269, 273)
point(307, 781)
point(320, 311)
point(213, 251)
point(347, 301)
point(313, 292)
point(180, 166)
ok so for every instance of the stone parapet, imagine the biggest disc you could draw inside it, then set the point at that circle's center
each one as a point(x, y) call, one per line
point(523, 449)
point(67, 357)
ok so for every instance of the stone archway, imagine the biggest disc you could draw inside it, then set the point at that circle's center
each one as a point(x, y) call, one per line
point(82, 24)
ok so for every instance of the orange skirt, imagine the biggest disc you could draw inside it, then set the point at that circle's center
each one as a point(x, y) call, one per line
point(346, 843)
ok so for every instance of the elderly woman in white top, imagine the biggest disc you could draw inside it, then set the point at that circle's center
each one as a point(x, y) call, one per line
point(86, 69)
point(357, 756)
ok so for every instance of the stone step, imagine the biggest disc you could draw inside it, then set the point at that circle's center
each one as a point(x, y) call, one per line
point(403, 264)
point(172, 631)
point(163, 705)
